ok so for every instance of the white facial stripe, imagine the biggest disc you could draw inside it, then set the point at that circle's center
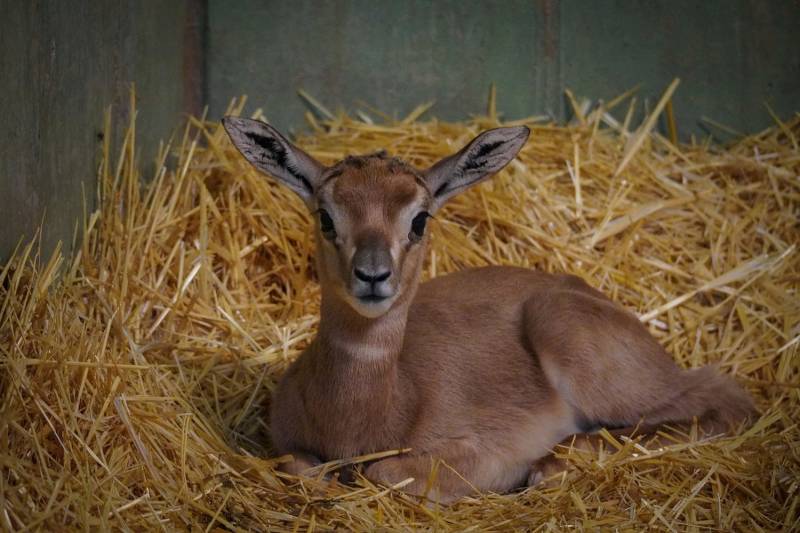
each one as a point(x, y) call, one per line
point(404, 218)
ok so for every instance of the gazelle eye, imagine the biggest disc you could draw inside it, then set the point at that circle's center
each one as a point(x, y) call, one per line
point(418, 226)
point(326, 225)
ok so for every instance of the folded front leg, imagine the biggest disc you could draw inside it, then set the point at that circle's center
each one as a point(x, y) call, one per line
point(460, 470)
point(300, 463)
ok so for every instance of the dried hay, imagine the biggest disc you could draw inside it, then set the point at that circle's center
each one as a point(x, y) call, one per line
point(134, 382)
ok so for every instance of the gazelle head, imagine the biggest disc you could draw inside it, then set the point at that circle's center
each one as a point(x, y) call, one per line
point(371, 211)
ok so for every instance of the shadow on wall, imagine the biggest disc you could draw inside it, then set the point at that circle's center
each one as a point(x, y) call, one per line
point(62, 64)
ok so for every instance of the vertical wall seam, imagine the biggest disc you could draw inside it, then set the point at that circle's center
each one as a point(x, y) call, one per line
point(548, 52)
point(195, 36)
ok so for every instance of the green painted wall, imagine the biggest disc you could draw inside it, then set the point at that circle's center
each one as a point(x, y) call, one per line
point(732, 55)
point(393, 55)
point(61, 64)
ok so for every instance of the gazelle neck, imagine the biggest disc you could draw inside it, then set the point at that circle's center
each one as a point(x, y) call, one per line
point(355, 380)
point(350, 345)
point(350, 337)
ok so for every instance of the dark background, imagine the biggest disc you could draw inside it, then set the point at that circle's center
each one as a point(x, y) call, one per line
point(62, 62)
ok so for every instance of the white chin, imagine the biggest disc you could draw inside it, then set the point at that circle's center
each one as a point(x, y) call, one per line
point(371, 309)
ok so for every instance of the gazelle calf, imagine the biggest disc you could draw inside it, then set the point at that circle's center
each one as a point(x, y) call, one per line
point(486, 369)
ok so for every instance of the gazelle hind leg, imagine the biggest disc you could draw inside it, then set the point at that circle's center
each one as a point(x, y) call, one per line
point(608, 367)
point(544, 469)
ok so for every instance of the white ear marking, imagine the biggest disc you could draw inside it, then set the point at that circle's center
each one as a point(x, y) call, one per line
point(269, 151)
point(482, 157)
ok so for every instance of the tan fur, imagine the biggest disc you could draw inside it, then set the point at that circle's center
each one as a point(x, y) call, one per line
point(483, 371)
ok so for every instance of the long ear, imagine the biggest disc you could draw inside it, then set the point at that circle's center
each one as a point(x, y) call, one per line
point(483, 156)
point(270, 152)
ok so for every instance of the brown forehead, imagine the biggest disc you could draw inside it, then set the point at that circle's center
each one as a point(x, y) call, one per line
point(359, 182)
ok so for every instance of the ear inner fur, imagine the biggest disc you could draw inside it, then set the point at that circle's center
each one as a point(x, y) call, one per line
point(266, 149)
point(485, 155)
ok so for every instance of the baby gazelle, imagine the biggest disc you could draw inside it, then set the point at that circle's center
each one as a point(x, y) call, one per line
point(486, 369)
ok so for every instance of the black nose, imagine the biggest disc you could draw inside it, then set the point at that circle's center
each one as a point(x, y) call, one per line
point(372, 277)
point(372, 261)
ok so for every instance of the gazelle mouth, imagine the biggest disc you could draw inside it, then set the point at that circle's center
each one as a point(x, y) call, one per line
point(370, 304)
point(372, 298)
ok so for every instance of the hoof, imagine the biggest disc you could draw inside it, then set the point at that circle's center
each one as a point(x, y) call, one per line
point(299, 464)
point(544, 472)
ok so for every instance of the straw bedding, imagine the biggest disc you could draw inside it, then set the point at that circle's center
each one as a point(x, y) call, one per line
point(136, 375)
